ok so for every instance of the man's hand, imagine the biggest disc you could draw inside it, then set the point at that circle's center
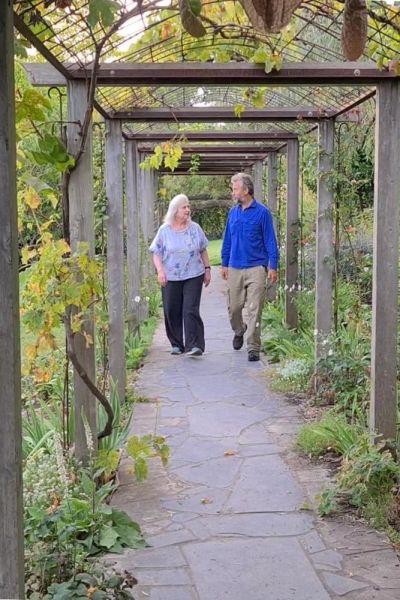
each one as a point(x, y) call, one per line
point(224, 273)
point(272, 275)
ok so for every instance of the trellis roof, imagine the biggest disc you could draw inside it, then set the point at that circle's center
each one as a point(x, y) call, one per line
point(150, 32)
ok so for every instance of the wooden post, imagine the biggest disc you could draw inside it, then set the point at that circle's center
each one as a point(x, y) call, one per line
point(258, 170)
point(292, 231)
point(115, 255)
point(324, 254)
point(272, 202)
point(133, 238)
point(81, 220)
point(385, 261)
point(11, 515)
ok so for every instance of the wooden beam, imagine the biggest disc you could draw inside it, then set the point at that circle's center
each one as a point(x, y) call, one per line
point(383, 406)
point(132, 236)
point(272, 203)
point(11, 514)
point(214, 114)
point(224, 149)
point(292, 232)
point(211, 136)
point(81, 218)
point(115, 256)
point(258, 174)
point(324, 261)
point(231, 73)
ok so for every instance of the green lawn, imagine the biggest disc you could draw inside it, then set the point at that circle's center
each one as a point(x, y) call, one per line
point(214, 252)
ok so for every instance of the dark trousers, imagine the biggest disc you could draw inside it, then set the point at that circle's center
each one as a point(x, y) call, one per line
point(181, 302)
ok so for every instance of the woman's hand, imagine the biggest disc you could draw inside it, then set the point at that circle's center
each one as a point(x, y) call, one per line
point(162, 278)
point(207, 277)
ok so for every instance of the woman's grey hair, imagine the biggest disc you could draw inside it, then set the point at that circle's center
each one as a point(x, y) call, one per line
point(245, 180)
point(173, 207)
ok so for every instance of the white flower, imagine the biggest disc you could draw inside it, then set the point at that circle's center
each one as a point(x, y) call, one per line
point(286, 288)
point(147, 298)
point(315, 332)
point(366, 269)
point(137, 298)
point(257, 324)
point(330, 353)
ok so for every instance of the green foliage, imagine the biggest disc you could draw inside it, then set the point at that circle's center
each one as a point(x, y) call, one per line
point(141, 449)
point(293, 375)
point(272, 61)
point(167, 154)
point(120, 427)
point(51, 150)
point(96, 585)
point(102, 11)
point(332, 433)
point(214, 252)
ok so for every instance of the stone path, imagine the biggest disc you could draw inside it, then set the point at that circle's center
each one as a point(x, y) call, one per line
point(231, 516)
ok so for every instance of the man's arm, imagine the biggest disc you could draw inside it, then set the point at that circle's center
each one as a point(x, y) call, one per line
point(226, 250)
point(271, 246)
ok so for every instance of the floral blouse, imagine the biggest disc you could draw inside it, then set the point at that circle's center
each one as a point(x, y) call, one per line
point(180, 251)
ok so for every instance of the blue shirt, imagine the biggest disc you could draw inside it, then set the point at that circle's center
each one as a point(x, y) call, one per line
point(249, 238)
point(180, 251)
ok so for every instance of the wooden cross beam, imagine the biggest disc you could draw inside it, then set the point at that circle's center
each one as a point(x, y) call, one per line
point(211, 136)
point(198, 74)
point(226, 149)
point(200, 114)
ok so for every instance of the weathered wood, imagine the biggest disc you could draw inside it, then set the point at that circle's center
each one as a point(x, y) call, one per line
point(190, 73)
point(115, 256)
point(11, 529)
point(81, 220)
point(197, 114)
point(292, 232)
point(132, 237)
point(272, 202)
point(324, 254)
point(212, 136)
point(258, 173)
point(385, 262)
point(226, 149)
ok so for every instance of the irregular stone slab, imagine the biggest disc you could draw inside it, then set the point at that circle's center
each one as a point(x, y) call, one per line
point(156, 557)
point(253, 570)
point(162, 577)
point(219, 472)
point(221, 419)
point(381, 567)
point(259, 450)
point(255, 434)
point(342, 585)
point(206, 501)
point(216, 387)
point(265, 485)
point(312, 542)
point(196, 449)
point(327, 558)
point(209, 365)
point(182, 395)
point(252, 525)
point(173, 593)
point(176, 410)
point(170, 538)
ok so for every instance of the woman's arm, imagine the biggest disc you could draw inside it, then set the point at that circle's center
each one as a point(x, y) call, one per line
point(206, 262)
point(161, 276)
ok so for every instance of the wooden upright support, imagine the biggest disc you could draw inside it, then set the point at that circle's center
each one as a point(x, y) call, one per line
point(272, 203)
point(324, 256)
point(81, 219)
point(11, 529)
point(385, 261)
point(292, 231)
point(258, 171)
point(133, 239)
point(115, 255)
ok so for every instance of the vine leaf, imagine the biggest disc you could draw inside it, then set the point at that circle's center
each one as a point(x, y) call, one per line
point(190, 20)
point(102, 10)
point(239, 109)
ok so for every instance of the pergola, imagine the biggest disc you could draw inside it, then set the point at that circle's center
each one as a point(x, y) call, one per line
point(147, 89)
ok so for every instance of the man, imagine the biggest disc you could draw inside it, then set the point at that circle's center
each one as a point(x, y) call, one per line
point(249, 250)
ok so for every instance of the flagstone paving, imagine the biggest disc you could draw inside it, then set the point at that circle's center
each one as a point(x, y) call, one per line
point(232, 515)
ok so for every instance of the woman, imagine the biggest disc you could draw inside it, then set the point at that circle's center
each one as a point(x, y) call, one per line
point(181, 260)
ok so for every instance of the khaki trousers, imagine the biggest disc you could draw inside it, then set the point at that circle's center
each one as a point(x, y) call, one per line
point(247, 287)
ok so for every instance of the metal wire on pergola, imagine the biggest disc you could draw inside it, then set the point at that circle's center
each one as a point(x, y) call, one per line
point(150, 32)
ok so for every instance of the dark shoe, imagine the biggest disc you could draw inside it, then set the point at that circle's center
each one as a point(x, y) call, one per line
point(195, 352)
point(237, 341)
point(175, 350)
point(253, 356)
